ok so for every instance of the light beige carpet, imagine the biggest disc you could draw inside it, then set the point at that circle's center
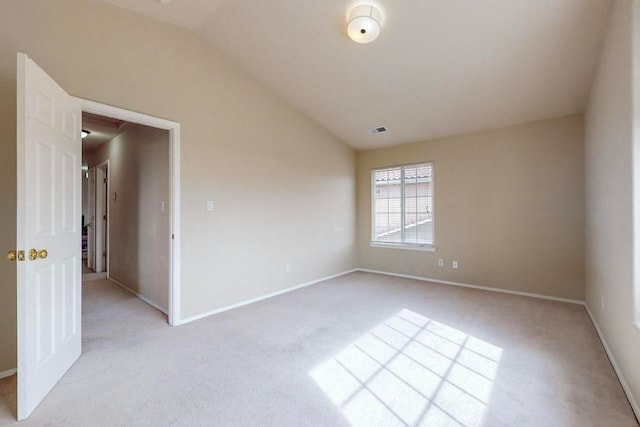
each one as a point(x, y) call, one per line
point(361, 350)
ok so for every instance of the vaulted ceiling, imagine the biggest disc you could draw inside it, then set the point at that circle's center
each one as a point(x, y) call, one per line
point(439, 67)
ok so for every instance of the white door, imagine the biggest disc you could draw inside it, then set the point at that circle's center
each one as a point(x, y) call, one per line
point(49, 209)
point(91, 225)
point(101, 220)
point(105, 220)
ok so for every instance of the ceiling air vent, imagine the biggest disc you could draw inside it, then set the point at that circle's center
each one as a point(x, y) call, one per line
point(379, 129)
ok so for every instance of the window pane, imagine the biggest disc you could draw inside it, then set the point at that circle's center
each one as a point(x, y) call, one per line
point(387, 205)
point(403, 204)
point(418, 204)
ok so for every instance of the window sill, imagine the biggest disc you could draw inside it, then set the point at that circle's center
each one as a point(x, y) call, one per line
point(407, 246)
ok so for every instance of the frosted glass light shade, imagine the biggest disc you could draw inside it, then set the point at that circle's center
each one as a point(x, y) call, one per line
point(364, 24)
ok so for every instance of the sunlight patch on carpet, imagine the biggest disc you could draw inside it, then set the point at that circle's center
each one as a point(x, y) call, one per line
point(411, 370)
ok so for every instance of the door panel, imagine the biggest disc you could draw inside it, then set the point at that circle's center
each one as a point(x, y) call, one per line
point(45, 314)
point(69, 203)
point(69, 299)
point(48, 192)
point(44, 182)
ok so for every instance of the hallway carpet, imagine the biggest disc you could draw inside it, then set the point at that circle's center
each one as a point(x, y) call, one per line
point(360, 350)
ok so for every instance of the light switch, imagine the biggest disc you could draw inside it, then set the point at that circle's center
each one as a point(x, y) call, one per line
point(210, 205)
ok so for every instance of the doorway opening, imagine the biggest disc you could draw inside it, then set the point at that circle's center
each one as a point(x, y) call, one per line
point(97, 132)
point(131, 204)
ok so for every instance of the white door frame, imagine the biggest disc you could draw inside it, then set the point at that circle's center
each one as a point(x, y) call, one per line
point(174, 205)
point(102, 210)
point(91, 220)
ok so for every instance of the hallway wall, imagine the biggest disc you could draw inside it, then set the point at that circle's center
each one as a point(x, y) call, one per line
point(139, 230)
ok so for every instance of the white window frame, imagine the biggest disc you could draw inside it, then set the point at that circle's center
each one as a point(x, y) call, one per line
point(429, 247)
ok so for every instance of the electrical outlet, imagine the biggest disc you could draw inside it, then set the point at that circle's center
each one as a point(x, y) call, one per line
point(210, 205)
point(287, 268)
point(454, 264)
point(440, 262)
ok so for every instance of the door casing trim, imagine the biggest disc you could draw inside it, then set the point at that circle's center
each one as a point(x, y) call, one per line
point(174, 316)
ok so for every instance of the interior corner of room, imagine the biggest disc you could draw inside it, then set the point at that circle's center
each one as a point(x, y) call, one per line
point(223, 169)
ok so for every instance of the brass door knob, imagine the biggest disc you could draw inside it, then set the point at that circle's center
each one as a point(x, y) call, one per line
point(15, 255)
point(34, 254)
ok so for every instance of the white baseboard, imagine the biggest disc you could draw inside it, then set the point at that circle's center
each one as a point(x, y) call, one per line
point(143, 298)
point(616, 368)
point(260, 298)
point(467, 285)
point(8, 373)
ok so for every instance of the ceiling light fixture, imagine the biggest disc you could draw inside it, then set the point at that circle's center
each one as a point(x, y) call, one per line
point(84, 133)
point(364, 23)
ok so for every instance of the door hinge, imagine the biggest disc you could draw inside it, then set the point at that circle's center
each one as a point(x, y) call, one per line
point(104, 180)
point(104, 217)
point(173, 236)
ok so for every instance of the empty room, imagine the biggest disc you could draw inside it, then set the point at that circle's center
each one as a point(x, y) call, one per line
point(369, 213)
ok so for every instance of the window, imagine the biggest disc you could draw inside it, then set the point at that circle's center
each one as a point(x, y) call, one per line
point(403, 206)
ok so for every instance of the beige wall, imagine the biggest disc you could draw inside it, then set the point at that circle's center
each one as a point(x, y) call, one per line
point(508, 207)
point(139, 231)
point(609, 147)
point(283, 187)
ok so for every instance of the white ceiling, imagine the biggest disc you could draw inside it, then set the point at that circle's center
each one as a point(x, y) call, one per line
point(102, 129)
point(439, 67)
